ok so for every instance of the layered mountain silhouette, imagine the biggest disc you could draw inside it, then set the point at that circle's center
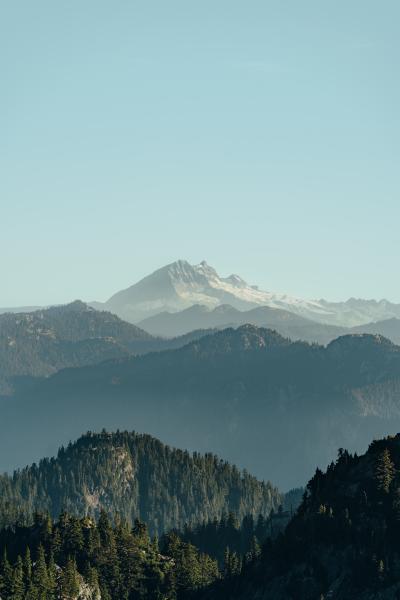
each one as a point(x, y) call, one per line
point(180, 285)
point(286, 323)
point(223, 316)
point(42, 342)
point(276, 407)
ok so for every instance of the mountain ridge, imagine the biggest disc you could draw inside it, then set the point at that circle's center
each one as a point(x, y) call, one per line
point(241, 393)
point(285, 322)
point(179, 285)
point(39, 343)
point(138, 477)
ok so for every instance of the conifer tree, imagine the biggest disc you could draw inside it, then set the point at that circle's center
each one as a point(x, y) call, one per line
point(384, 472)
point(40, 576)
point(92, 578)
point(55, 544)
point(27, 568)
point(255, 550)
point(396, 505)
point(32, 592)
point(70, 580)
point(17, 585)
point(52, 578)
point(6, 577)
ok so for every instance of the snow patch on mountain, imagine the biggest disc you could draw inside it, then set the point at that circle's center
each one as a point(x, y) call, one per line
point(180, 285)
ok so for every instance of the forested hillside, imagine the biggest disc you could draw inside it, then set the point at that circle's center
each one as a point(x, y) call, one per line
point(79, 559)
point(109, 559)
point(343, 542)
point(239, 539)
point(245, 394)
point(135, 476)
point(39, 343)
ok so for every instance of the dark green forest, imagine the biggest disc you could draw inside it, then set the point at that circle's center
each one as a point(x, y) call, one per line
point(343, 542)
point(137, 477)
point(141, 520)
point(81, 558)
point(109, 559)
point(240, 539)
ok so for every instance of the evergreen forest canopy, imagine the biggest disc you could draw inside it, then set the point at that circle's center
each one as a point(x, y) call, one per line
point(137, 477)
point(75, 559)
point(343, 543)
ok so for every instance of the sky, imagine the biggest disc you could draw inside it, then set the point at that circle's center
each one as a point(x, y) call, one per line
point(261, 136)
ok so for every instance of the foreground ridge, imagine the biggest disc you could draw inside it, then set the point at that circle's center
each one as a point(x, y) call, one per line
point(342, 543)
point(136, 476)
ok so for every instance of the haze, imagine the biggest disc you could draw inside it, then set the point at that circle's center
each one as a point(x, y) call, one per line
point(260, 136)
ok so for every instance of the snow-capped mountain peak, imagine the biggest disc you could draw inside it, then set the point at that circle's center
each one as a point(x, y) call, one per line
point(181, 285)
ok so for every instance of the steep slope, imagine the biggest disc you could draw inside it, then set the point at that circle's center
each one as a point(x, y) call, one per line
point(343, 542)
point(135, 476)
point(275, 407)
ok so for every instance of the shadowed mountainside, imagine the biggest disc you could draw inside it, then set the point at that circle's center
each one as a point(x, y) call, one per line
point(273, 406)
point(39, 343)
point(343, 542)
point(286, 323)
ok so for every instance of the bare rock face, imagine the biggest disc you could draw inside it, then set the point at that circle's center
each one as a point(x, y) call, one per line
point(87, 592)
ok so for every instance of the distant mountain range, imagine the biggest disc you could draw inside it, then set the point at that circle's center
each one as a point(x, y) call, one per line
point(275, 407)
point(39, 343)
point(181, 375)
point(19, 309)
point(286, 323)
point(180, 285)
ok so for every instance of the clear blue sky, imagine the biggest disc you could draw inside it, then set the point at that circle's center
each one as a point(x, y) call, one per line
point(262, 136)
